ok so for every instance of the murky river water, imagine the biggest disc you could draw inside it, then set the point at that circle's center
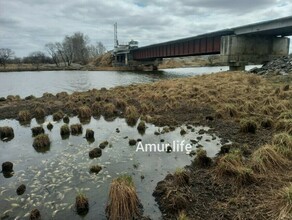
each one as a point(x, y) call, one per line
point(54, 178)
point(37, 83)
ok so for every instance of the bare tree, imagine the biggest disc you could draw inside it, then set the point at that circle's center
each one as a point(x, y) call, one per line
point(101, 48)
point(79, 44)
point(96, 50)
point(5, 55)
point(61, 52)
point(35, 58)
point(53, 52)
point(68, 50)
point(74, 48)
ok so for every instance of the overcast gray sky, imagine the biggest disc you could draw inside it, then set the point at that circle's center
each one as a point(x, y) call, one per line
point(27, 25)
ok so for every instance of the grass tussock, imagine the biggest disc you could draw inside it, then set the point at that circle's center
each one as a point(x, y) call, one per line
point(81, 204)
point(286, 115)
point(89, 134)
point(284, 125)
point(6, 133)
point(141, 127)
point(109, 110)
point(281, 204)
point(267, 123)
point(123, 202)
point(201, 159)
point(248, 126)
point(182, 216)
point(41, 143)
point(131, 115)
point(226, 111)
point(37, 130)
point(65, 130)
point(94, 153)
point(66, 119)
point(95, 169)
point(57, 116)
point(266, 159)
point(174, 199)
point(50, 126)
point(96, 108)
point(24, 116)
point(283, 140)
point(231, 166)
point(39, 113)
point(84, 112)
point(76, 129)
point(283, 144)
point(35, 215)
point(181, 177)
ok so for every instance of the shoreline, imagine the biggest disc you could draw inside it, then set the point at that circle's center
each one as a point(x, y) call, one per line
point(28, 67)
point(84, 68)
point(242, 108)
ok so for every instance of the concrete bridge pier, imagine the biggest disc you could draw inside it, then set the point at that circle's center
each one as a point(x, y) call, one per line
point(238, 50)
point(145, 65)
point(236, 66)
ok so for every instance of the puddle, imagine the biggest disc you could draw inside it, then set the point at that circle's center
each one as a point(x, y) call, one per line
point(54, 178)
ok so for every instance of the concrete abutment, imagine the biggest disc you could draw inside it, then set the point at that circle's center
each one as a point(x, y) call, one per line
point(238, 51)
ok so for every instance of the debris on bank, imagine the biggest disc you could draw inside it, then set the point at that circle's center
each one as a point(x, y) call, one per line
point(280, 66)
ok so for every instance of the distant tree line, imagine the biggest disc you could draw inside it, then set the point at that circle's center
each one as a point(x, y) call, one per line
point(73, 49)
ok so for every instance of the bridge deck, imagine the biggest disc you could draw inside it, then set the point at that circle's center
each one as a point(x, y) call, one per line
point(198, 45)
point(210, 43)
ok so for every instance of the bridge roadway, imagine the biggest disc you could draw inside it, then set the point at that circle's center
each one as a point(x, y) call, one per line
point(211, 43)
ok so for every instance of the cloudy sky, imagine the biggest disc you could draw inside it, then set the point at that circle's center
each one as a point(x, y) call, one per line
point(27, 25)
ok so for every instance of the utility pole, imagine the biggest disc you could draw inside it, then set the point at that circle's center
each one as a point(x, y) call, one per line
point(116, 43)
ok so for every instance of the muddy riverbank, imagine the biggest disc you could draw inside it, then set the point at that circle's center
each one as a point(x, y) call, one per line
point(243, 108)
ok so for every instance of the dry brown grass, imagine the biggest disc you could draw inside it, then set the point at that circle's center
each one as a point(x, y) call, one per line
point(76, 129)
point(248, 126)
point(24, 116)
point(41, 143)
point(283, 140)
point(182, 216)
point(81, 204)
point(266, 159)
point(175, 199)
point(181, 177)
point(131, 115)
point(283, 143)
point(57, 116)
point(96, 108)
point(281, 204)
point(231, 165)
point(284, 125)
point(84, 112)
point(201, 159)
point(109, 110)
point(39, 113)
point(123, 202)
